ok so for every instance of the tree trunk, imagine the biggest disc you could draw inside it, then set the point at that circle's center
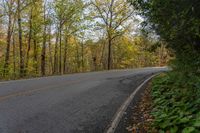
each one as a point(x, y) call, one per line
point(77, 58)
point(56, 55)
point(7, 56)
point(29, 40)
point(35, 55)
point(43, 54)
point(82, 56)
point(14, 57)
point(109, 53)
point(65, 57)
point(50, 53)
point(109, 31)
point(20, 39)
point(102, 60)
point(60, 56)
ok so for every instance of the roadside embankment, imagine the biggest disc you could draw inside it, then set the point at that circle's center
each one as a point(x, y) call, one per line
point(169, 105)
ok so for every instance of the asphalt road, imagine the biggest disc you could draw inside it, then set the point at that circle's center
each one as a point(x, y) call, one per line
point(84, 103)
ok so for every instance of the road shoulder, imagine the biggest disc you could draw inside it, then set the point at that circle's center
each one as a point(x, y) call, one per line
point(126, 123)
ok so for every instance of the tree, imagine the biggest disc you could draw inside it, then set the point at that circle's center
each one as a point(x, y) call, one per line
point(19, 9)
point(29, 36)
point(43, 37)
point(43, 54)
point(9, 11)
point(68, 14)
point(176, 22)
point(37, 33)
point(114, 15)
point(50, 49)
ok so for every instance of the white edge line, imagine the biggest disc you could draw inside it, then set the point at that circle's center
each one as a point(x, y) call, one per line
point(118, 116)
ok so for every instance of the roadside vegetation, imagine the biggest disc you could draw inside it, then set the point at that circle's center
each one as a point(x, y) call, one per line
point(175, 94)
point(170, 104)
point(176, 103)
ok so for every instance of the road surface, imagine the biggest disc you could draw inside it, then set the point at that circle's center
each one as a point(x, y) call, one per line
point(76, 103)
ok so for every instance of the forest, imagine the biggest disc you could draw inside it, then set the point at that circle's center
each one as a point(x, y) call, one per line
point(52, 37)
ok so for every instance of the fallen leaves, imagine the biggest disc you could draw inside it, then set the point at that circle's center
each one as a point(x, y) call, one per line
point(141, 118)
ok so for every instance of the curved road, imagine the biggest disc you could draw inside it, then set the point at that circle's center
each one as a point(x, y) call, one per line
point(84, 103)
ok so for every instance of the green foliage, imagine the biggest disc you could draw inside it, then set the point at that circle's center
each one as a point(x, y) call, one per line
point(177, 22)
point(135, 52)
point(176, 95)
point(176, 100)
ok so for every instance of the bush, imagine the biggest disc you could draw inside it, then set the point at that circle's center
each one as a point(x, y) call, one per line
point(176, 101)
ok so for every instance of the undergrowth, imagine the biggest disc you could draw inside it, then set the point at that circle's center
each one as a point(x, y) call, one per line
point(176, 103)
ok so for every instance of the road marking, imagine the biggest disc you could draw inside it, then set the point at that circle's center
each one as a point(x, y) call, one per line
point(118, 116)
point(28, 92)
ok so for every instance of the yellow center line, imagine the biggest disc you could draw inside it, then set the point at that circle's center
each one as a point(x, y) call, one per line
point(27, 92)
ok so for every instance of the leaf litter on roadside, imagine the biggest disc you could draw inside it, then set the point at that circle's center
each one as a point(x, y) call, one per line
point(141, 117)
